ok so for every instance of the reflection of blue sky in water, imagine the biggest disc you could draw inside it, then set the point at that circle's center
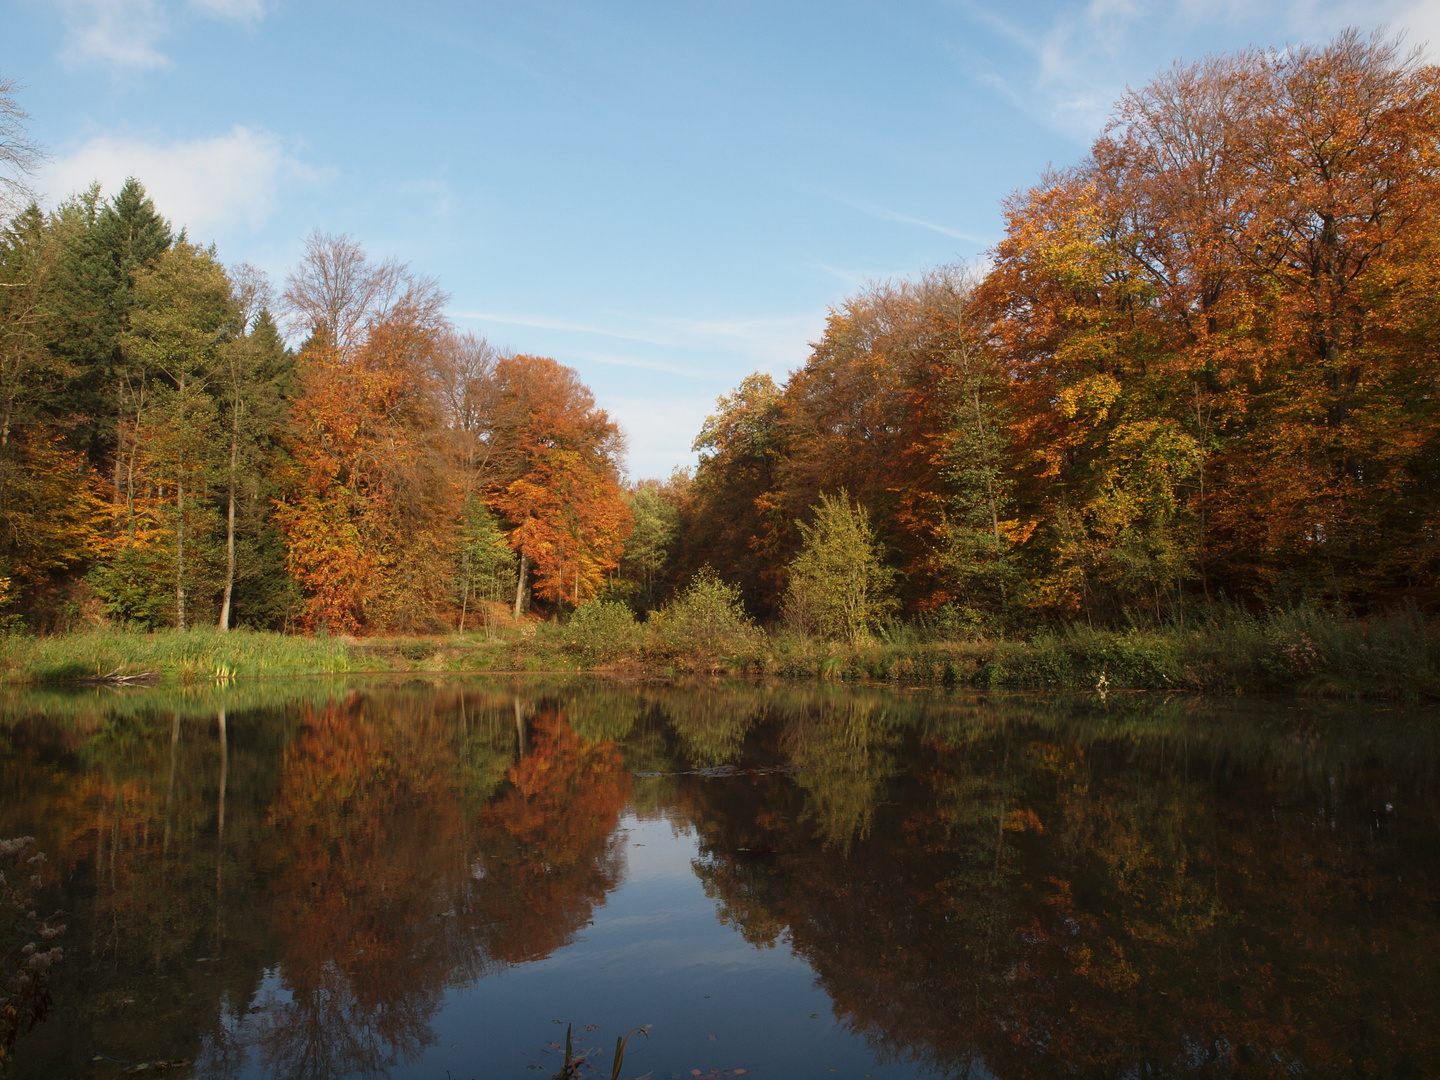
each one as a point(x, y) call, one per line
point(654, 951)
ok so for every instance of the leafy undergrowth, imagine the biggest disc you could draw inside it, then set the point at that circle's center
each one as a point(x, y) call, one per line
point(1305, 651)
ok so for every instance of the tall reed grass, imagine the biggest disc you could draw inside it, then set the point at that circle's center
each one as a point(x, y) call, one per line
point(187, 656)
point(1302, 650)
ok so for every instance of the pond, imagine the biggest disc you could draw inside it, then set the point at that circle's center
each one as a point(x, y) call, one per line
point(434, 879)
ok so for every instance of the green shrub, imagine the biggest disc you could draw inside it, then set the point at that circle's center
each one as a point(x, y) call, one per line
point(602, 631)
point(838, 583)
point(705, 622)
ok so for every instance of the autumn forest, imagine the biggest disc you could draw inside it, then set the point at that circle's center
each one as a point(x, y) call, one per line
point(1199, 368)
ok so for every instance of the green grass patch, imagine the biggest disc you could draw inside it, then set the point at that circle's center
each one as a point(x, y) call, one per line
point(185, 656)
point(1306, 651)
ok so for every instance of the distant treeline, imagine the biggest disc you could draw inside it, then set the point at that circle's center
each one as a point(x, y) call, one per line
point(1201, 365)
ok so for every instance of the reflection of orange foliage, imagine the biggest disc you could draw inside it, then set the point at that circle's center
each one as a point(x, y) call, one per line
point(550, 849)
point(369, 856)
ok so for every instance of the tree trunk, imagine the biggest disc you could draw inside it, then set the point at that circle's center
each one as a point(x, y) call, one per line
point(180, 555)
point(1203, 423)
point(989, 478)
point(230, 533)
point(465, 587)
point(130, 467)
point(119, 430)
point(520, 587)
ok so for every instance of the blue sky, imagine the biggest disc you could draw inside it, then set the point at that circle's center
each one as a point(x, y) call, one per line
point(665, 196)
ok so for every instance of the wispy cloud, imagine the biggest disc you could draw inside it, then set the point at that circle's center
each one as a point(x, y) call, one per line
point(656, 427)
point(853, 279)
point(886, 214)
point(770, 342)
point(1421, 23)
point(541, 322)
point(124, 33)
point(638, 363)
point(434, 195)
point(127, 33)
point(202, 183)
point(1068, 69)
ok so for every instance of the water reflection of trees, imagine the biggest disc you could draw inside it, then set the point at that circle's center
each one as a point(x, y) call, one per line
point(547, 850)
point(304, 886)
point(392, 887)
point(1039, 888)
point(365, 823)
point(1052, 893)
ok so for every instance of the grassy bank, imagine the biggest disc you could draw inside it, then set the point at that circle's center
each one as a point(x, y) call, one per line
point(1304, 652)
point(1307, 652)
point(208, 656)
point(204, 655)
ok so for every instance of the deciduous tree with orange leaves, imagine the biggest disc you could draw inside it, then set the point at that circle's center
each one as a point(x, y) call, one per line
point(1220, 333)
point(372, 504)
point(556, 479)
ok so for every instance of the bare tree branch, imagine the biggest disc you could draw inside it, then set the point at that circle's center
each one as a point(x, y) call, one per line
point(253, 292)
point(337, 290)
point(19, 154)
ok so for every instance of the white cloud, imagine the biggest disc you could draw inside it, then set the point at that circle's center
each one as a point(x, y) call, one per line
point(638, 363)
point(201, 184)
point(1080, 61)
point(1421, 23)
point(127, 33)
point(659, 431)
point(851, 279)
point(886, 214)
point(119, 32)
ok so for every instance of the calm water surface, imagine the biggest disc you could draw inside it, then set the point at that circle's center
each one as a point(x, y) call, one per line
point(431, 879)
